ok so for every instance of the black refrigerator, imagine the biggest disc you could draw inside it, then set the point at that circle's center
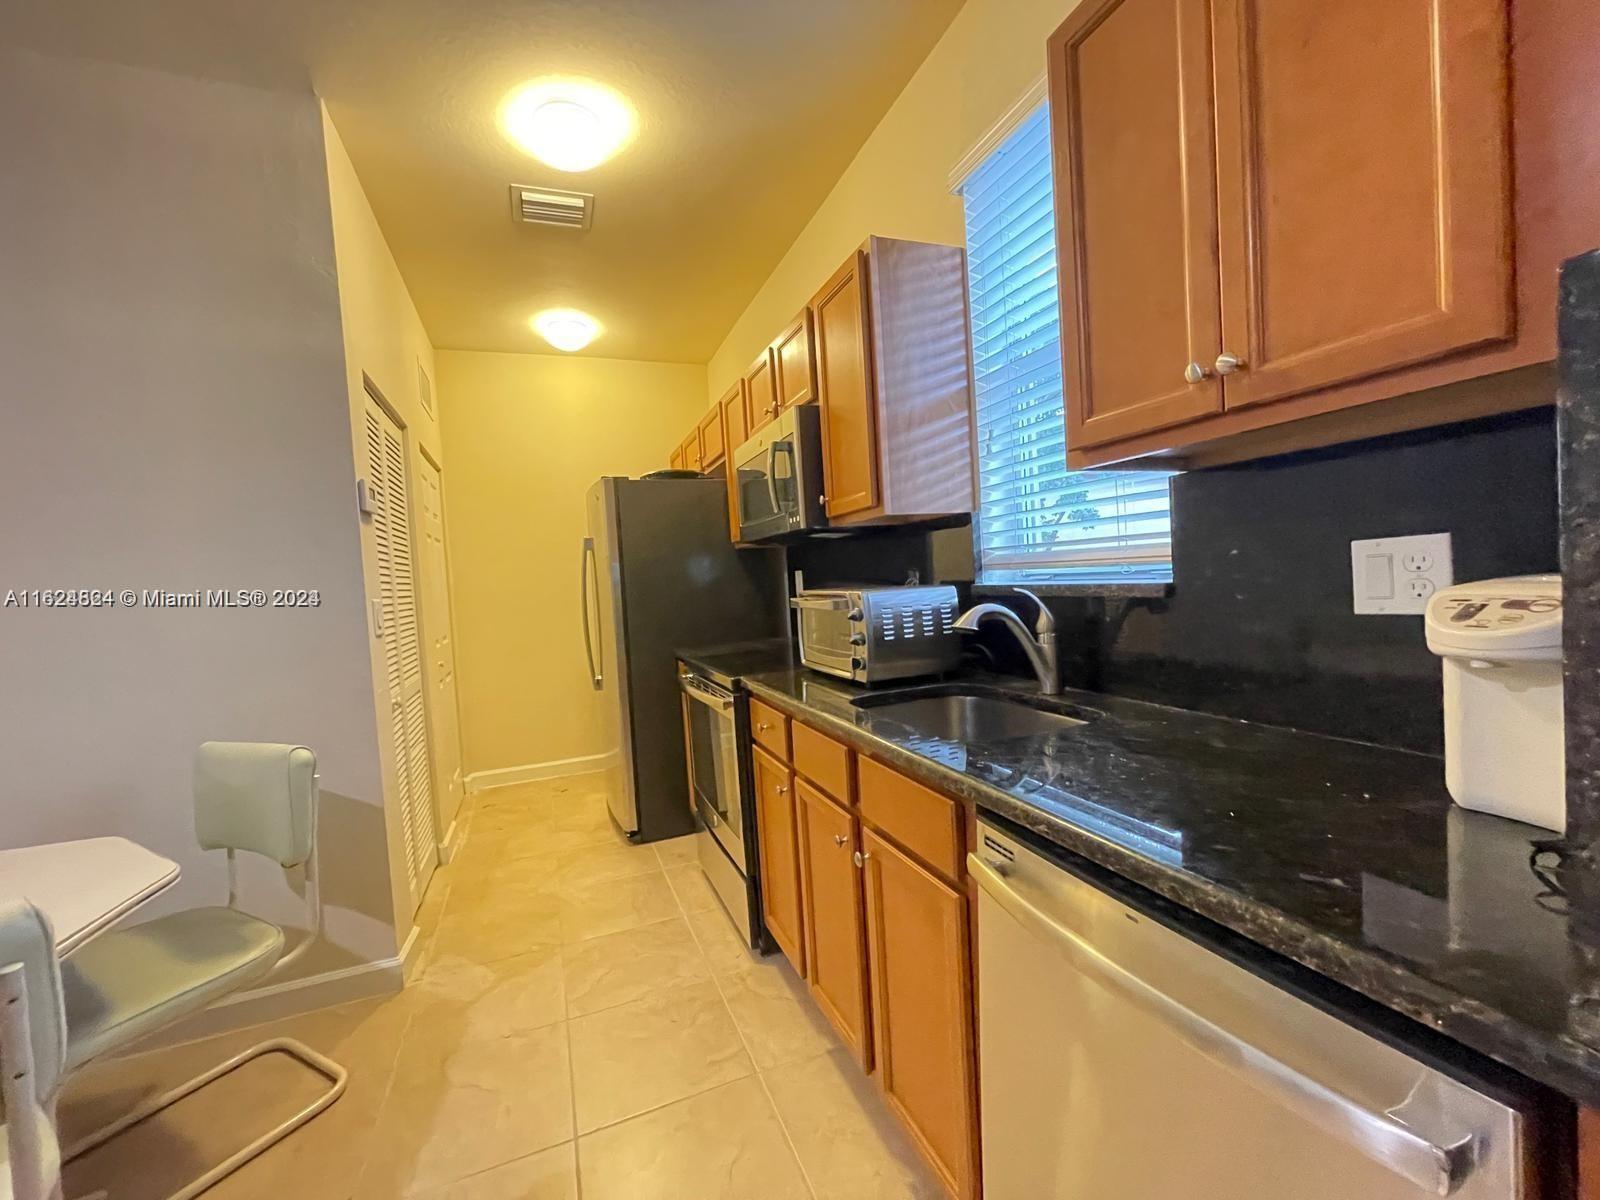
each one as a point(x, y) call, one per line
point(660, 574)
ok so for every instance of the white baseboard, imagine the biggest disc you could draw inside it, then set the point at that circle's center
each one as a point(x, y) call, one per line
point(290, 998)
point(450, 843)
point(482, 781)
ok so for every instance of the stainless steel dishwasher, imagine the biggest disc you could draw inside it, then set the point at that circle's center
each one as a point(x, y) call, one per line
point(1121, 1060)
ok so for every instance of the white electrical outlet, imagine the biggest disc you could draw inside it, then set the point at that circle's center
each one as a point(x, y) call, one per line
point(1400, 574)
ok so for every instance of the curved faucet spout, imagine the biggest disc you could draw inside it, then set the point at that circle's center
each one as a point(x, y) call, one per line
point(1041, 650)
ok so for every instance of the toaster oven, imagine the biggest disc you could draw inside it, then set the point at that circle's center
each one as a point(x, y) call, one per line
point(873, 634)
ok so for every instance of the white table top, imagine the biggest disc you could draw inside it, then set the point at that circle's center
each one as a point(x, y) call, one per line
point(85, 886)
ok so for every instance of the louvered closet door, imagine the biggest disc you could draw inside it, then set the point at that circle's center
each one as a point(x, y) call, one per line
point(402, 650)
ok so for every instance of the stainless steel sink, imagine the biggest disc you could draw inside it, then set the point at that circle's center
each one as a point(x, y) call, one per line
point(970, 716)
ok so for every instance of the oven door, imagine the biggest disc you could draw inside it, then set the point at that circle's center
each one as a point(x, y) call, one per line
point(714, 763)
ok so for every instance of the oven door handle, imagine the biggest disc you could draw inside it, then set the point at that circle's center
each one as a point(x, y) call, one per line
point(696, 690)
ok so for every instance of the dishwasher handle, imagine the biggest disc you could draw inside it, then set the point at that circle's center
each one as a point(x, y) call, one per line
point(1440, 1170)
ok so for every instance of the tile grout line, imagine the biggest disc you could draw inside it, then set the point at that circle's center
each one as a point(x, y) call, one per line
point(783, 1126)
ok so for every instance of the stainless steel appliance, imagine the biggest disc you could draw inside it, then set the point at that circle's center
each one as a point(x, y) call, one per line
point(778, 473)
point(716, 722)
point(659, 574)
point(870, 634)
point(1121, 1058)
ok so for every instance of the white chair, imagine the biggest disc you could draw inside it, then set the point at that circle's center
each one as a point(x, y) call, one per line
point(33, 1040)
point(127, 984)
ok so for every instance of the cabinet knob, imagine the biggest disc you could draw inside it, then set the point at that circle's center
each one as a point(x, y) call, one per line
point(782, 789)
point(762, 726)
point(1227, 364)
point(861, 859)
point(1196, 372)
point(839, 839)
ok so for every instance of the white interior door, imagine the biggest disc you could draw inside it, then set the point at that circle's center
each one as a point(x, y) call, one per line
point(387, 479)
point(440, 666)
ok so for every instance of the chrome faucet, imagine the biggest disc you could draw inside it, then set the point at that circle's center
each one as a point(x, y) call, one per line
point(1039, 646)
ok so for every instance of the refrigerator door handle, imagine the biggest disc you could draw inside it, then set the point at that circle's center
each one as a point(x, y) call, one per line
point(1385, 1138)
point(588, 566)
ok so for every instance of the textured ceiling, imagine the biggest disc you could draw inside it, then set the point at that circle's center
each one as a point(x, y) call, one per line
point(748, 110)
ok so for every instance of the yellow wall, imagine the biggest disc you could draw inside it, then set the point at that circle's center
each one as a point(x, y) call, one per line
point(528, 434)
point(383, 341)
point(898, 185)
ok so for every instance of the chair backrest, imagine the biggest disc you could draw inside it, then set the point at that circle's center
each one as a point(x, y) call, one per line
point(35, 1028)
point(257, 796)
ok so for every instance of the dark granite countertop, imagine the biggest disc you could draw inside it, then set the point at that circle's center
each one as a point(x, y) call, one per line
point(735, 660)
point(1346, 858)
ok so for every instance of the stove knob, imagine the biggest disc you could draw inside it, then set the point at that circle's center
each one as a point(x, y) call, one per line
point(858, 639)
point(855, 614)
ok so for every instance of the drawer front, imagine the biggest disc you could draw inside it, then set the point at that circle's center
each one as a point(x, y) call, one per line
point(770, 728)
point(823, 761)
point(923, 822)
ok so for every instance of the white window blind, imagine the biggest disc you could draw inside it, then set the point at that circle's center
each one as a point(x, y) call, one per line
point(1037, 521)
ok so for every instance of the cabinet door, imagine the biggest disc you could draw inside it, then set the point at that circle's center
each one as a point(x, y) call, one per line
point(841, 316)
point(1130, 98)
point(712, 442)
point(760, 393)
point(796, 364)
point(922, 1008)
point(734, 428)
point(780, 857)
point(691, 451)
point(836, 953)
point(1363, 184)
point(733, 435)
point(675, 459)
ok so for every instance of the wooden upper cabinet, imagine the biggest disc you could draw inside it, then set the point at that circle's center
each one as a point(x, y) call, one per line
point(1135, 216)
point(894, 383)
point(922, 1008)
point(760, 393)
point(733, 435)
point(1286, 223)
point(1364, 187)
point(778, 840)
point(712, 440)
point(691, 451)
point(844, 375)
point(836, 951)
point(675, 459)
point(734, 429)
point(796, 363)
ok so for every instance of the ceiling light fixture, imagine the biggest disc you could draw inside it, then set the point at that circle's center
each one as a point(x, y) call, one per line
point(566, 328)
point(568, 124)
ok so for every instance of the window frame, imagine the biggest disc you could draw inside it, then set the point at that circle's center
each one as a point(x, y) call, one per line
point(1140, 569)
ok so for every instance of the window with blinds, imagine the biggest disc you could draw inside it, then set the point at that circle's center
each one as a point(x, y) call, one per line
point(1037, 521)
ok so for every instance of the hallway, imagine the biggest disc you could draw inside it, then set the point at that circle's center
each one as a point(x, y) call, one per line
point(584, 1022)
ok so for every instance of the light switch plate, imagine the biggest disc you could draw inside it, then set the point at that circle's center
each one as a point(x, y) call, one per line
point(1399, 575)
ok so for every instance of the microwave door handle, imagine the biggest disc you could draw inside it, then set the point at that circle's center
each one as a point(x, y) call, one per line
point(1438, 1170)
point(772, 477)
point(588, 565)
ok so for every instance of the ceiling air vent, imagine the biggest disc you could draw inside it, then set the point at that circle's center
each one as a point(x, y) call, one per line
point(551, 206)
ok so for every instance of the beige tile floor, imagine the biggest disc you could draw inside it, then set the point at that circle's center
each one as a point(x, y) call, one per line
point(585, 1023)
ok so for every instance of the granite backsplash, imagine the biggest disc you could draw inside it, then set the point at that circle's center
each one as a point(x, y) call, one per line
point(1259, 624)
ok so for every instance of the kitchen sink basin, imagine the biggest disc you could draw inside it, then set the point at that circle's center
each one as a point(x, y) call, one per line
point(970, 715)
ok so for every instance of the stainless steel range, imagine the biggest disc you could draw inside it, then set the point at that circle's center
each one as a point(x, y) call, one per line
point(717, 722)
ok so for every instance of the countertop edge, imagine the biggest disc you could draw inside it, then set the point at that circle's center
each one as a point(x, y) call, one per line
point(1562, 1064)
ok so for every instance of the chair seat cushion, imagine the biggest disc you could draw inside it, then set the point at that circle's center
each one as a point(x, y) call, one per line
point(131, 982)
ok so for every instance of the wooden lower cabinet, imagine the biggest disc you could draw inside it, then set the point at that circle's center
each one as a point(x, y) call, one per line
point(923, 1032)
point(836, 955)
point(780, 857)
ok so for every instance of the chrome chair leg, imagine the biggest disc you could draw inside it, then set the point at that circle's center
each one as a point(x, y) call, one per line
point(336, 1076)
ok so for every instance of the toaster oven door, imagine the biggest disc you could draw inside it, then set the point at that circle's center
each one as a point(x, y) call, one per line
point(825, 634)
